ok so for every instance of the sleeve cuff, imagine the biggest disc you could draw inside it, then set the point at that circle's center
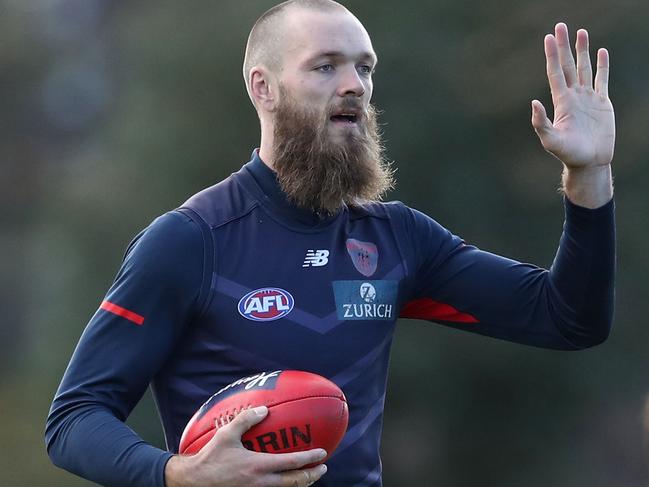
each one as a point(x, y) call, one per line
point(574, 209)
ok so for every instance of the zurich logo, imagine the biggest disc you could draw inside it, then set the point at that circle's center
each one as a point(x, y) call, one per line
point(266, 304)
point(368, 292)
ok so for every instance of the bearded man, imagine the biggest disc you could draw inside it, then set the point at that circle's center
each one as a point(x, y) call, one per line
point(304, 217)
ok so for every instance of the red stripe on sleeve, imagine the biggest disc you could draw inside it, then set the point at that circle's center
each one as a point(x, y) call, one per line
point(124, 313)
point(427, 309)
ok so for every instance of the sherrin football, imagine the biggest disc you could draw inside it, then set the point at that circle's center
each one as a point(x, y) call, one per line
point(305, 411)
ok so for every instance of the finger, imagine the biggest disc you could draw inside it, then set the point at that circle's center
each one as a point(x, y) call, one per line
point(584, 68)
point(242, 423)
point(540, 120)
point(565, 54)
point(601, 77)
point(280, 462)
point(555, 73)
point(301, 478)
point(543, 126)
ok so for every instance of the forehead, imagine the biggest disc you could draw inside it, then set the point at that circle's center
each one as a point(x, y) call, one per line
point(311, 33)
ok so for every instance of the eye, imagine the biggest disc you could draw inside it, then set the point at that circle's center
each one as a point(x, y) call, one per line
point(366, 69)
point(325, 68)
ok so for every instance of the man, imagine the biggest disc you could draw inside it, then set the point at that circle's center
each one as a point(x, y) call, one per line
point(302, 217)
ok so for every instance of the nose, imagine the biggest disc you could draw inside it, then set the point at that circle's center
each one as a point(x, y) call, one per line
point(351, 83)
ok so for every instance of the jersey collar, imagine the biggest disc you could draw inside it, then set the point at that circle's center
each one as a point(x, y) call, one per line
point(270, 194)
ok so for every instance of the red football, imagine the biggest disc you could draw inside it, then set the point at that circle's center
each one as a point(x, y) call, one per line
point(305, 411)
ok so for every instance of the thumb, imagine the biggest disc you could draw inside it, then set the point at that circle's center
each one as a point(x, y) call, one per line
point(243, 422)
point(542, 124)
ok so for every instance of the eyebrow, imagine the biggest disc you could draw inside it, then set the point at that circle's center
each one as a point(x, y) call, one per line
point(339, 54)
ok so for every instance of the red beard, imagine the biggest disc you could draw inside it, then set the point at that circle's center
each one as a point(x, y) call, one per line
point(319, 174)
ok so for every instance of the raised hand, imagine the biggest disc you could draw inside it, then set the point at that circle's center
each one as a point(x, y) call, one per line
point(582, 135)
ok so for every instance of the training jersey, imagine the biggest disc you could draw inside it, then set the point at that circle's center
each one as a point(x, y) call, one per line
point(238, 280)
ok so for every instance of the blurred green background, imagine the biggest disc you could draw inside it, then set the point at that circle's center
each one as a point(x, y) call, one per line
point(116, 111)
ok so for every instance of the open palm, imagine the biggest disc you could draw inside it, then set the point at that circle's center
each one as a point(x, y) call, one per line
point(583, 131)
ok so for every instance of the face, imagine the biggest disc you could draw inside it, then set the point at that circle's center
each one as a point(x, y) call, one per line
point(327, 68)
point(326, 145)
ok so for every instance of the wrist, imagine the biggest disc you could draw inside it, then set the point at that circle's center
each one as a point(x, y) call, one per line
point(174, 473)
point(590, 186)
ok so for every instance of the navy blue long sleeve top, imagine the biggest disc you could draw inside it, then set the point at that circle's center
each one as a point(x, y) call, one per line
point(238, 280)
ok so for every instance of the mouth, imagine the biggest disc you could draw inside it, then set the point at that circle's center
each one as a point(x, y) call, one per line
point(344, 118)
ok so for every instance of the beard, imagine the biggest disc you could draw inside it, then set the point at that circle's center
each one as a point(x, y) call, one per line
point(323, 175)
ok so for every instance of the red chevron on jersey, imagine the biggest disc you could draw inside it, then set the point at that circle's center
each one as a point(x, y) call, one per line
point(427, 309)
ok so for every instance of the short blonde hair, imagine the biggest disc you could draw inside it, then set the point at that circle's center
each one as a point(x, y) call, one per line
point(264, 44)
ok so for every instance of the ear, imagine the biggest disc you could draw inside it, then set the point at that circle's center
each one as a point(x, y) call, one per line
point(263, 88)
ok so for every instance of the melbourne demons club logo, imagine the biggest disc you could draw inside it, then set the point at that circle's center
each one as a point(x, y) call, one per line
point(365, 256)
point(266, 304)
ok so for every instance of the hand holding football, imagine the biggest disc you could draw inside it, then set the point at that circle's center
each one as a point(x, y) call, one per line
point(305, 411)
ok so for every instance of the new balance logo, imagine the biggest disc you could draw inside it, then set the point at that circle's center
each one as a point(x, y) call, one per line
point(316, 258)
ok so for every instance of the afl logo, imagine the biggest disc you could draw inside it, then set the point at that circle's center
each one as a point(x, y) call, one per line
point(266, 304)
